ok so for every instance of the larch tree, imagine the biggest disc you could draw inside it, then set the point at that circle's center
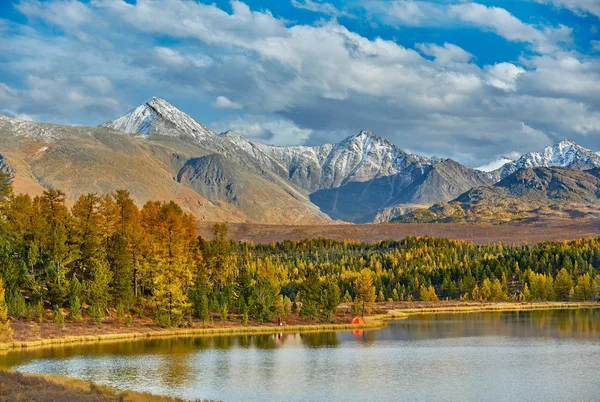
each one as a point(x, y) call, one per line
point(563, 284)
point(363, 286)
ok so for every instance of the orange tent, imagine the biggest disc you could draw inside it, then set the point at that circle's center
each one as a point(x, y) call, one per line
point(357, 320)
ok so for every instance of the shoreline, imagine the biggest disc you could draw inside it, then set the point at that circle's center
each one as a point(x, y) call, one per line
point(371, 322)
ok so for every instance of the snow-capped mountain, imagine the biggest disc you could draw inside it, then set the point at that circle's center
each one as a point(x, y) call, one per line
point(349, 180)
point(494, 165)
point(157, 116)
point(358, 158)
point(563, 154)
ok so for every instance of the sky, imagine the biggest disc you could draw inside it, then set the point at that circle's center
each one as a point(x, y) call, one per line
point(466, 80)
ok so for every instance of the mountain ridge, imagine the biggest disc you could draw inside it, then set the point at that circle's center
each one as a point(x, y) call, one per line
point(363, 178)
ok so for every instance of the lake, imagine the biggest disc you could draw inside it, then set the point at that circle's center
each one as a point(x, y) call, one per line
point(551, 355)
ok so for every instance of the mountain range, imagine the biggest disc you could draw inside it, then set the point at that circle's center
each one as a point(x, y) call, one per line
point(158, 152)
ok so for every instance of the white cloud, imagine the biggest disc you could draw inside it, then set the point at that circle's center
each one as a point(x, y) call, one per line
point(503, 75)
point(509, 27)
point(446, 54)
point(493, 19)
point(409, 12)
point(271, 131)
point(313, 82)
point(222, 102)
point(320, 7)
point(577, 6)
point(98, 83)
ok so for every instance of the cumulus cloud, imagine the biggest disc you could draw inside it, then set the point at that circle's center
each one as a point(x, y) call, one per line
point(489, 18)
point(446, 54)
point(223, 102)
point(271, 131)
point(308, 83)
point(509, 27)
point(67, 14)
point(503, 75)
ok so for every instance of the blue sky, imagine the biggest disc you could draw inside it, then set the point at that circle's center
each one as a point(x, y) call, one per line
point(466, 80)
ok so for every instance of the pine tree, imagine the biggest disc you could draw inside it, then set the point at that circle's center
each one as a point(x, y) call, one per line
point(98, 290)
point(6, 332)
point(120, 266)
point(75, 300)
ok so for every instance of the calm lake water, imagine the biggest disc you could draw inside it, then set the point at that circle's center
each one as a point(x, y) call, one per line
point(509, 356)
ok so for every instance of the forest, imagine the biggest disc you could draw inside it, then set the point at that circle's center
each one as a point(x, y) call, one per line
point(105, 255)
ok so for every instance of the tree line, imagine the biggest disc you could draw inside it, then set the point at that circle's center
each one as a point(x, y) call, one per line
point(106, 255)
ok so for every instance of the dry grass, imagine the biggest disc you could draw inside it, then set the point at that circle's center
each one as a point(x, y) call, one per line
point(47, 334)
point(16, 386)
point(481, 233)
point(30, 334)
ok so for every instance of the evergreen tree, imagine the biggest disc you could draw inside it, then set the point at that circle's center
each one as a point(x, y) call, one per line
point(121, 272)
point(6, 331)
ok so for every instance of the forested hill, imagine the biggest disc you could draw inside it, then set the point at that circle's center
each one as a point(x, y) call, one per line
point(104, 255)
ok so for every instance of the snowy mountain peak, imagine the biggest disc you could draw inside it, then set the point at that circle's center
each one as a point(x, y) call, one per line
point(564, 153)
point(159, 117)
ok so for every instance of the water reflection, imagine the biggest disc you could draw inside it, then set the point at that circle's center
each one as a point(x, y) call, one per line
point(420, 356)
point(580, 324)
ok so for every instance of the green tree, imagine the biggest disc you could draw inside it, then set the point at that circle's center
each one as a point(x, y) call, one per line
point(563, 285)
point(6, 332)
point(585, 289)
point(121, 271)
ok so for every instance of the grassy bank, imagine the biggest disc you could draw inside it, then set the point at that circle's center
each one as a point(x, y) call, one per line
point(27, 337)
point(36, 387)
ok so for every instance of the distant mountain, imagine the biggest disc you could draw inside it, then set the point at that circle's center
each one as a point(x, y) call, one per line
point(84, 159)
point(159, 152)
point(529, 192)
point(563, 154)
point(352, 180)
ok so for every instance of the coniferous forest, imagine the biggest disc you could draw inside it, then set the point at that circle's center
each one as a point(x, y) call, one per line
point(104, 254)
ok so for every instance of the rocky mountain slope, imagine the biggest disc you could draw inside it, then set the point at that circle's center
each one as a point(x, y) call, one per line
point(350, 181)
point(529, 192)
point(159, 152)
point(83, 159)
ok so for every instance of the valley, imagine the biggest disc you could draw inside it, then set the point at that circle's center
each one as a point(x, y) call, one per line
point(532, 231)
